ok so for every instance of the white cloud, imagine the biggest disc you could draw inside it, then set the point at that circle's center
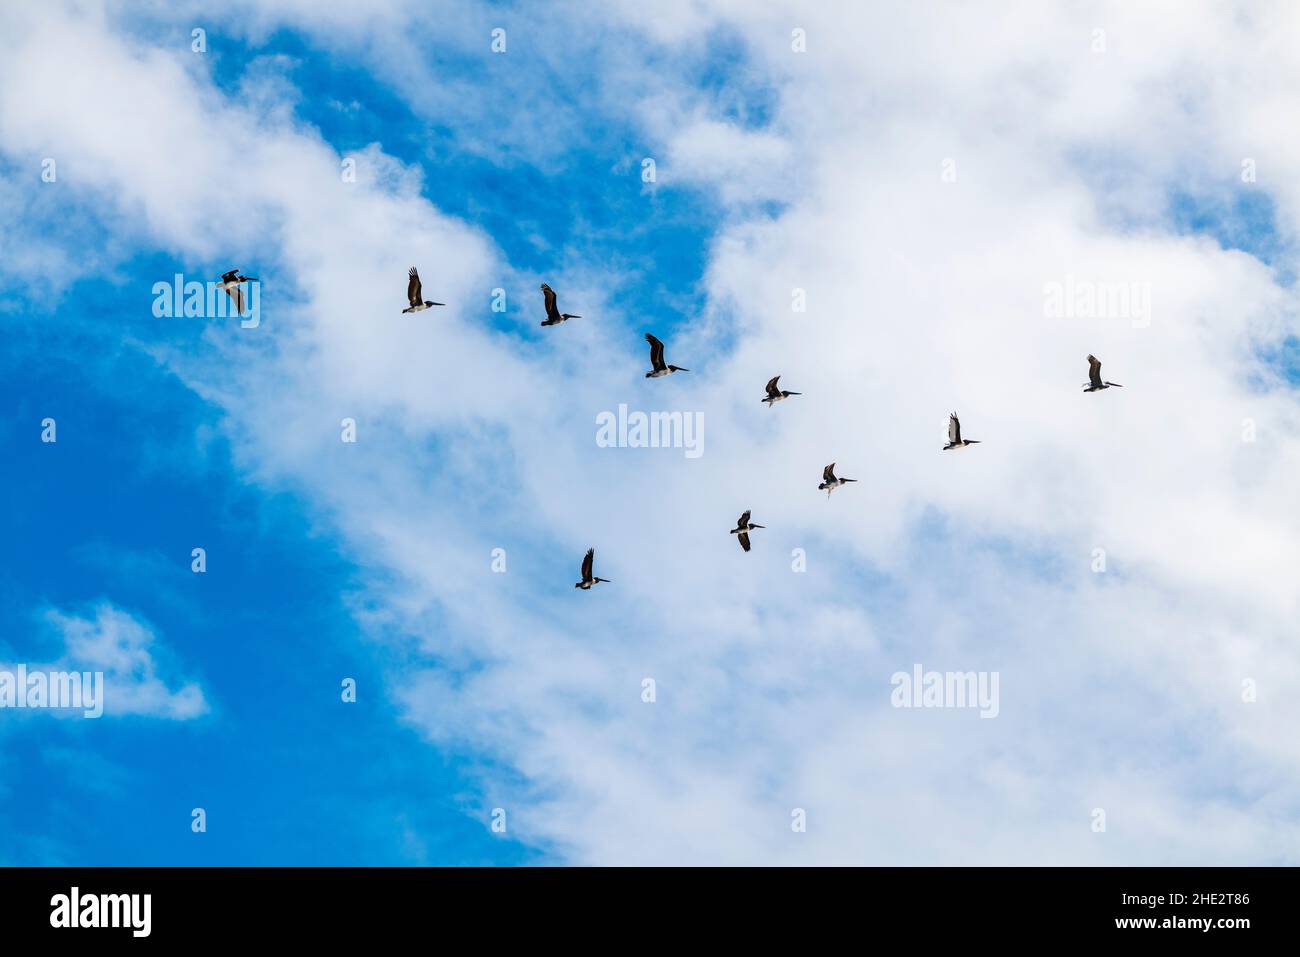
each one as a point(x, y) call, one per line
point(135, 664)
point(1120, 691)
point(744, 166)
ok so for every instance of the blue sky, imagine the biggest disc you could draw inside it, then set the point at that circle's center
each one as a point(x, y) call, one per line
point(112, 511)
point(779, 171)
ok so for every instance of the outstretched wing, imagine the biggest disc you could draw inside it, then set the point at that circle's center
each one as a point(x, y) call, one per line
point(229, 276)
point(828, 473)
point(744, 519)
point(413, 292)
point(744, 540)
point(954, 429)
point(772, 390)
point(552, 311)
point(587, 563)
point(1094, 371)
point(656, 351)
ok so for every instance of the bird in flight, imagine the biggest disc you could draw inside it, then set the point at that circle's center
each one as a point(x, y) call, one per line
point(587, 578)
point(955, 441)
point(1094, 377)
point(230, 283)
point(829, 482)
point(774, 394)
point(553, 315)
point(414, 294)
point(743, 528)
point(657, 360)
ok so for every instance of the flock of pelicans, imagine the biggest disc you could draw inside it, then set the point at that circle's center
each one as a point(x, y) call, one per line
point(658, 368)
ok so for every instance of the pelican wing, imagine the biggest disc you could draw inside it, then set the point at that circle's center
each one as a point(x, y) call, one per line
point(229, 276)
point(656, 351)
point(772, 390)
point(954, 429)
point(744, 519)
point(237, 296)
point(552, 310)
point(744, 540)
point(413, 291)
point(1094, 372)
point(587, 563)
point(828, 473)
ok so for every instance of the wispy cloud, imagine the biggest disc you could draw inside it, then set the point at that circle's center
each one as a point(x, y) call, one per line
point(139, 678)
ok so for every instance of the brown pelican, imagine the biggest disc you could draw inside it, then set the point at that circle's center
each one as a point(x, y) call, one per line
point(774, 394)
point(553, 315)
point(587, 578)
point(230, 283)
point(743, 528)
point(413, 294)
point(1094, 377)
point(829, 482)
point(955, 441)
point(657, 360)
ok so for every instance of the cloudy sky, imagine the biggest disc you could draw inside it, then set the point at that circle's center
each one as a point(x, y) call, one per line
point(884, 203)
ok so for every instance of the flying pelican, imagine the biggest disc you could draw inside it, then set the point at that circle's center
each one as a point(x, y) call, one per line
point(230, 283)
point(1094, 377)
point(657, 360)
point(829, 482)
point(553, 315)
point(742, 529)
point(955, 441)
point(775, 395)
point(587, 578)
point(413, 294)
